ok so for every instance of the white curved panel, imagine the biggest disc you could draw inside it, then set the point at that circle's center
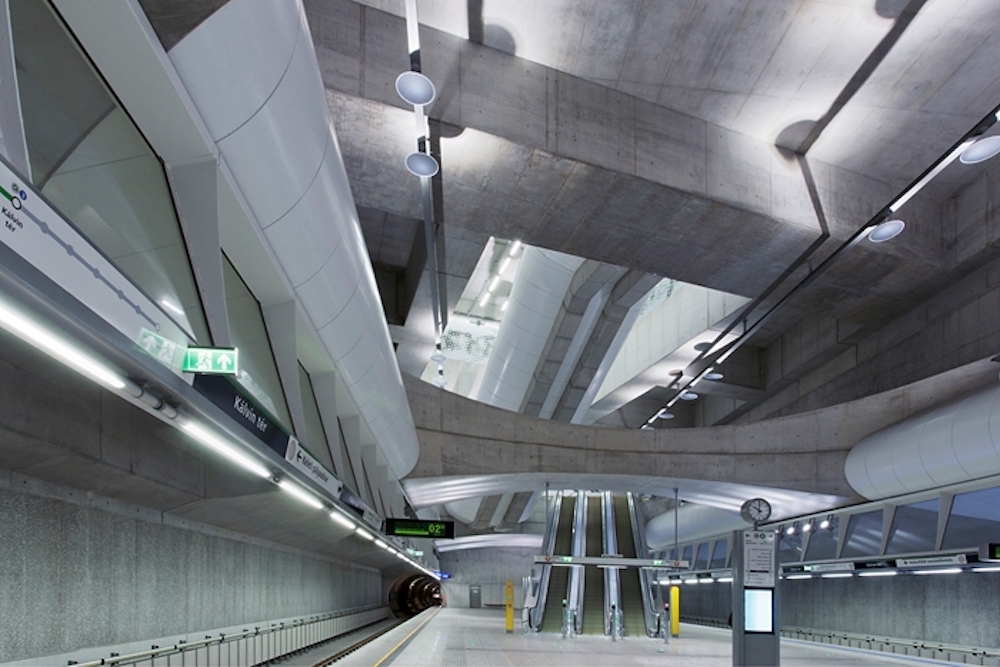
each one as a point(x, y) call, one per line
point(543, 278)
point(277, 138)
point(224, 92)
point(276, 154)
point(693, 522)
point(955, 442)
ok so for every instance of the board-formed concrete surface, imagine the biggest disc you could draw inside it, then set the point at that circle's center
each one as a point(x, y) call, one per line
point(473, 637)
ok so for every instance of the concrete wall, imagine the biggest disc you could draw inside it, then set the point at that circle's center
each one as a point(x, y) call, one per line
point(488, 568)
point(73, 576)
point(955, 609)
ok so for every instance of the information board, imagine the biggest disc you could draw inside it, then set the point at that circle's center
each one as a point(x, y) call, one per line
point(418, 528)
point(759, 559)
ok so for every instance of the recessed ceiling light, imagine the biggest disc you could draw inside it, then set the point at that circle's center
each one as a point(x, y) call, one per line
point(889, 229)
point(981, 151)
point(415, 88)
point(714, 376)
point(666, 415)
point(421, 164)
point(689, 396)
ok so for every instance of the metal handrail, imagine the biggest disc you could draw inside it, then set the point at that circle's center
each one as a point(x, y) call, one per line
point(536, 614)
point(301, 639)
point(638, 535)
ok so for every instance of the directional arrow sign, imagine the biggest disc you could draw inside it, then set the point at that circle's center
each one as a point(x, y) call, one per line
point(212, 360)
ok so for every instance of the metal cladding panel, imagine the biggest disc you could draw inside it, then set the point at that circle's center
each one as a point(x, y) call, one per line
point(233, 65)
point(263, 100)
point(952, 443)
point(543, 278)
point(693, 522)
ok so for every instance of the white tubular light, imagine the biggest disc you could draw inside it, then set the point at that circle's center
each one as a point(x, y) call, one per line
point(342, 520)
point(798, 576)
point(992, 568)
point(380, 543)
point(300, 494)
point(877, 573)
point(504, 264)
point(514, 247)
point(493, 284)
point(945, 570)
point(837, 575)
point(725, 580)
point(43, 340)
point(364, 533)
point(222, 447)
point(931, 175)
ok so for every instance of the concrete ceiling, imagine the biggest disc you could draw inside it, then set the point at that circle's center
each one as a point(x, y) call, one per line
point(732, 144)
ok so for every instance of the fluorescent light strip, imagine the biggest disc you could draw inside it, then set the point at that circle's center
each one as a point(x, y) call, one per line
point(706, 580)
point(798, 576)
point(945, 570)
point(514, 247)
point(342, 520)
point(364, 533)
point(836, 575)
point(931, 175)
point(725, 580)
point(503, 265)
point(380, 543)
point(227, 450)
point(171, 306)
point(493, 284)
point(995, 568)
point(300, 494)
point(878, 573)
point(45, 341)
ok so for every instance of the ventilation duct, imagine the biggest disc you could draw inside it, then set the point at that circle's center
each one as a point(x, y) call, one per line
point(543, 279)
point(251, 70)
point(955, 442)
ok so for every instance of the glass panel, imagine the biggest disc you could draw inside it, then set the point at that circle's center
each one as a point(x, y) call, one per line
point(701, 562)
point(823, 541)
point(688, 551)
point(316, 441)
point(258, 373)
point(92, 163)
point(719, 554)
point(864, 535)
point(790, 547)
point(974, 519)
point(914, 528)
point(673, 554)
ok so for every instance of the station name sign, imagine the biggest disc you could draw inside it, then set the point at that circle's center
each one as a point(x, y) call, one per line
point(418, 528)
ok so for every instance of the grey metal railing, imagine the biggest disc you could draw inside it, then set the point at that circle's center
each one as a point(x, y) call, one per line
point(645, 585)
point(548, 547)
point(258, 645)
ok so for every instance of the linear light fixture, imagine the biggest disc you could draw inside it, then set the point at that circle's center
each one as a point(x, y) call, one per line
point(798, 576)
point(514, 247)
point(878, 573)
point(340, 518)
point(725, 580)
point(930, 175)
point(297, 492)
point(42, 339)
point(837, 575)
point(942, 570)
point(220, 446)
point(364, 533)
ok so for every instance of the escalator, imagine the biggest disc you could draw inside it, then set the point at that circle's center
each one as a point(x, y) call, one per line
point(633, 615)
point(559, 576)
point(593, 583)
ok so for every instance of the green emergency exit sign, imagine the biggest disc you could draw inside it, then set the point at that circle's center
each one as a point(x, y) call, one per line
point(213, 360)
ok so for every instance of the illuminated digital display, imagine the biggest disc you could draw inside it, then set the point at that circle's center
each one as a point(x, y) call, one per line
point(417, 528)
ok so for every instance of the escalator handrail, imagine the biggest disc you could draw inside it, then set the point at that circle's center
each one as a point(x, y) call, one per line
point(638, 535)
point(537, 613)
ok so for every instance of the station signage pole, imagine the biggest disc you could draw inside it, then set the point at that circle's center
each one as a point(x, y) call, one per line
point(756, 638)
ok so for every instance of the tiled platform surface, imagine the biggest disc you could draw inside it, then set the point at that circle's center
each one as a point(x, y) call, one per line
point(476, 638)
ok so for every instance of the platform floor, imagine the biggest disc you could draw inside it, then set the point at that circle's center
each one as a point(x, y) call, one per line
point(476, 638)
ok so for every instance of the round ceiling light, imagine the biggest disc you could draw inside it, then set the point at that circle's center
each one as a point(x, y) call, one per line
point(438, 357)
point(440, 381)
point(714, 376)
point(689, 396)
point(415, 88)
point(702, 346)
point(981, 151)
point(421, 164)
point(666, 415)
point(889, 229)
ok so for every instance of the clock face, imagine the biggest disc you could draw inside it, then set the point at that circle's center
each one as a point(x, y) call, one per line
point(756, 510)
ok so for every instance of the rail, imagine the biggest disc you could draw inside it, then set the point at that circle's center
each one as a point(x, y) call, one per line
point(257, 646)
point(969, 655)
point(645, 587)
point(536, 614)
